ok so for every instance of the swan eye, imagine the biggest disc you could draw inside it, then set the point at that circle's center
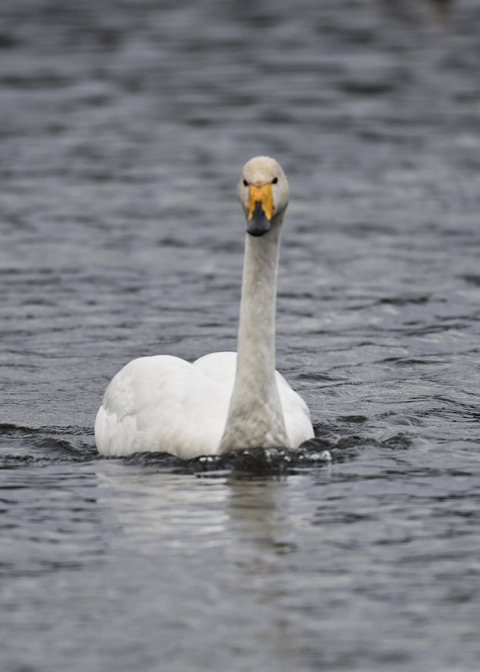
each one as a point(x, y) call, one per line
point(245, 183)
point(275, 180)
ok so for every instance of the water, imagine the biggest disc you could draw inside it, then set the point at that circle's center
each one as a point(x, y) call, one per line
point(123, 128)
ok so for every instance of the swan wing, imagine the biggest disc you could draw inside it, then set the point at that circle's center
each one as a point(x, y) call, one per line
point(161, 404)
point(220, 367)
point(295, 413)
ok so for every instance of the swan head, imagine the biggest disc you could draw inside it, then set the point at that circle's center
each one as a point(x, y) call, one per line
point(263, 193)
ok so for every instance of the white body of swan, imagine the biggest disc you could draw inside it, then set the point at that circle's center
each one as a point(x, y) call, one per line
point(225, 400)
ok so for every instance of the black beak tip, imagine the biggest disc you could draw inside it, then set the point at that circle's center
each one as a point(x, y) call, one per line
point(256, 232)
point(258, 224)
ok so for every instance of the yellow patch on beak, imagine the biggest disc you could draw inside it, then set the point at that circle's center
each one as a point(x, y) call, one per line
point(262, 195)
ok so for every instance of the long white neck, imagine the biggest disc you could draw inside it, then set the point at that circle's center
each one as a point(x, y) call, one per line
point(255, 416)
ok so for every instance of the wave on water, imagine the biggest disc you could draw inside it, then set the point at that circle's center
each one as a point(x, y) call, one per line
point(21, 446)
point(316, 453)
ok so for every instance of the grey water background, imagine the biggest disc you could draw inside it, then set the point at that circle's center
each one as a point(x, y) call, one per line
point(123, 129)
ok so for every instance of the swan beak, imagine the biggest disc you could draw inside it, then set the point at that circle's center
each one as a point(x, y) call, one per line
point(260, 209)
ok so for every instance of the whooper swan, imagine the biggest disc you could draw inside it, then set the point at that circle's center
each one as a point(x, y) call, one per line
point(224, 400)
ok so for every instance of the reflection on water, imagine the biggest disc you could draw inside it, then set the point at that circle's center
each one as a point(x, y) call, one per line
point(123, 129)
point(255, 514)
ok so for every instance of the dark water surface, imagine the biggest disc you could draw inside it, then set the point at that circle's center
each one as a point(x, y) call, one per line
point(123, 128)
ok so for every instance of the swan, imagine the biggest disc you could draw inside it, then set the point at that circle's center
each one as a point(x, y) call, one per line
point(224, 400)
